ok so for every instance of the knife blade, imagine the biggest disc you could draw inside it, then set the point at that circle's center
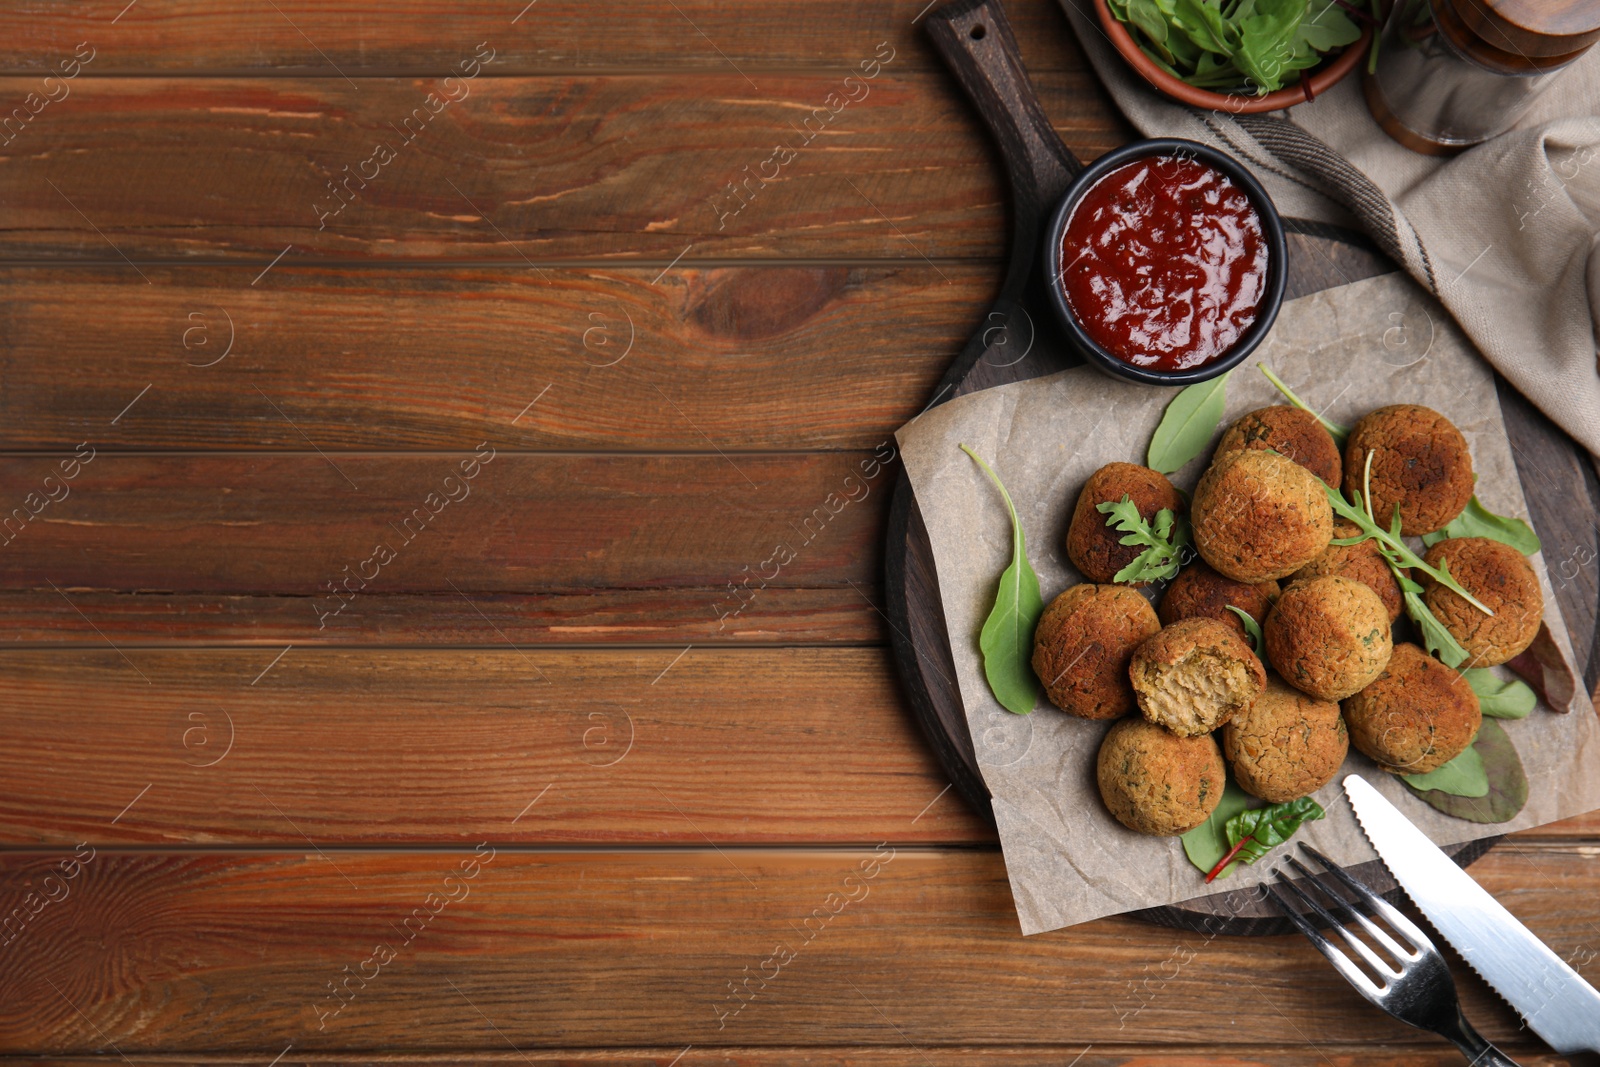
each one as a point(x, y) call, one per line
point(1553, 998)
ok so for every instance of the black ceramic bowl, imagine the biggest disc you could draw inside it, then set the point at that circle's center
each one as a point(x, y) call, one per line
point(1271, 227)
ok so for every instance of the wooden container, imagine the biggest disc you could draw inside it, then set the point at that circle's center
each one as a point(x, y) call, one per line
point(1453, 73)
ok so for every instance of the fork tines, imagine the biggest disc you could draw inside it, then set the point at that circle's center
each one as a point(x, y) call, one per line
point(1419, 946)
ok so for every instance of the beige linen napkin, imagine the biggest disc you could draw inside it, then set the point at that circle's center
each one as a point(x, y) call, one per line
point(1506, 235)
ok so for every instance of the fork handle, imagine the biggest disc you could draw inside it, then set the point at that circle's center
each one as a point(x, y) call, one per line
point(1479, 1053)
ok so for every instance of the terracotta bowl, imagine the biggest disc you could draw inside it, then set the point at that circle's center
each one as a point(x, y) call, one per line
point(1317, 81)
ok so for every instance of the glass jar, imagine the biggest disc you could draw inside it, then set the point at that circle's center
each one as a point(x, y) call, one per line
point(1454, 73)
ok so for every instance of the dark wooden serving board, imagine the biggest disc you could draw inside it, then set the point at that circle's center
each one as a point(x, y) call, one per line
point(1558, 480)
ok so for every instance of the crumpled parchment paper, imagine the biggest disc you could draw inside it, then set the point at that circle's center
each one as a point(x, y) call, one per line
point(1344, 351)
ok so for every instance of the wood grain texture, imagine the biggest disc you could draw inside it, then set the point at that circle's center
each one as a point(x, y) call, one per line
point(756, 357)
point(638, 746)
point(308, 37)
point(217, 952)
point(381, 746)
point(1042, 1055)
point(291, 524)
point(521, 170)
point(668, 618)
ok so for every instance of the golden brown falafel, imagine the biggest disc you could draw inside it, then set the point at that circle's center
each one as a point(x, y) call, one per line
point(1419, 461)
point(1199, 592)
point(1095, 548)
point(1328, 636)
point(1294, 432)
point(1503, 579)
point(1286, 744)
point(1194, 676)
point(1362, 562)
point(1416, 716)
point(1156, 782)
point(1082, 646)
point(1260, 516)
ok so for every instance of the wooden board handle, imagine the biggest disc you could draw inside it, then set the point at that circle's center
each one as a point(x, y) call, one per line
point(976, 42)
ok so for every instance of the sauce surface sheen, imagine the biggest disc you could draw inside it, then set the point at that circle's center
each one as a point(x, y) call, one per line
point(1164, 263)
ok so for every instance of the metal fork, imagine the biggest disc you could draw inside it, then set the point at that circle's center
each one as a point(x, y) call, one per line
point(1416, 988)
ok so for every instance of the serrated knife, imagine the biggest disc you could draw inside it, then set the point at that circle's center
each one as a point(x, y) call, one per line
point(1553, 998)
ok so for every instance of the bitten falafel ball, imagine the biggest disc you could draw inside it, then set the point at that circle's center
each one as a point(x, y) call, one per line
point(1361, 561)
point(1095, 548)
point(1503, 579)
point(1286, 744)
point(1260, 516)
point(1199, 592)
point(1082, 646)
point(1194, 676)
point(1328, 636)
point(1416, 716)
point(1296, 433)
point(1156, 782)
point(1419, 461)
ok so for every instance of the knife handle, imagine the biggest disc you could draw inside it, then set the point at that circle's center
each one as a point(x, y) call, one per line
point(1479, 1053)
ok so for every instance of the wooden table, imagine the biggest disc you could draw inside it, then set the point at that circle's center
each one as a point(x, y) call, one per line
point(402, 669)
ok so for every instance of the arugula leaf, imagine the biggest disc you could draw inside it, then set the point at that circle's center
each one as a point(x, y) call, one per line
point(1007, 636)
point(1402, 554)
point(1436, 638)
point(1163, 542)
point(1327, 27)
point(1253, 628)
point(1340, 434)
point(1512, 699)
point(1463, 776)
point(1254, 833)
point(1204, 25)
point(1208, 842)
point(1266, 41)
point(1478, 521)
point(1508, 782)
point(1149, 18)
point(1190, 419)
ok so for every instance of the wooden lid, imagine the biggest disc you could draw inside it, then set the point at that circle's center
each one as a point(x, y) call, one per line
point(1536, 34)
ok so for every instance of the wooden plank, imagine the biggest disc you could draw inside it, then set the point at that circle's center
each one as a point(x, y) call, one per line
point(316, 527)
point(232, 952)
point(1050, 1055)
point(518, 170)
point(757, 357)
point(664, 617)
point(631, 744)
point(640, 746)
point(556, 36)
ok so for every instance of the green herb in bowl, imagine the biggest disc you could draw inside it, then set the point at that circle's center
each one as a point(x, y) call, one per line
point(1248, 47)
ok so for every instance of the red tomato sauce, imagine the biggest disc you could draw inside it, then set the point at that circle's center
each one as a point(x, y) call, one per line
point(1164, 263)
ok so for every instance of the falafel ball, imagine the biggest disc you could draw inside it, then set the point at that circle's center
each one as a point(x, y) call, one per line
point(1095, 548)
point(1199, 592)
point(1419, 461)
point(1361, 561)
point(1416, 716)
point(1082, 646)
point(1503, 579)
point(1156, 782)
point(1195, 675)
point(1328, 636)
point(1285, 745)
point(1292, 431)
point(1260, 516)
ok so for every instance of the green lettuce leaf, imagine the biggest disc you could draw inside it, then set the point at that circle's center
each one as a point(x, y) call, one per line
point(1508, 782)
point(1207, 843)
point(1007, 637)
point(1512, 699)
